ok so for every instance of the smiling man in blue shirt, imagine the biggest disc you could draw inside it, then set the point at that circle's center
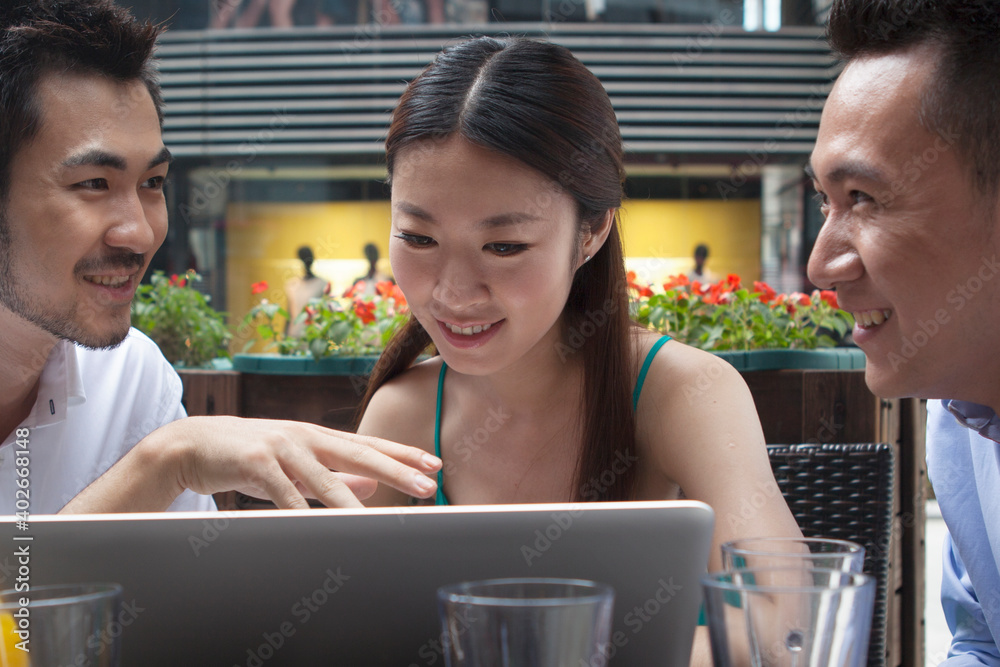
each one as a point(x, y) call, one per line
point(907, 162)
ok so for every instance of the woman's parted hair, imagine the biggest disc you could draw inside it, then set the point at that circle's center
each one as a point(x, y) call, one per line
point(536, 102)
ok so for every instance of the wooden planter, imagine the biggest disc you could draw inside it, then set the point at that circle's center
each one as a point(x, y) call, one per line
point(325, 392)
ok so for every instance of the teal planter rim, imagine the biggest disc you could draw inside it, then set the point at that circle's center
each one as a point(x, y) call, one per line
point(836, 358)
point(275, 364)
point(217, 364)
point(828, 358)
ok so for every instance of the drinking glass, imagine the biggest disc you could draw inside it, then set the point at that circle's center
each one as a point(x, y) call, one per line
point(529, 622)
point(789, 617)
point(73, 624)
point(819, 553)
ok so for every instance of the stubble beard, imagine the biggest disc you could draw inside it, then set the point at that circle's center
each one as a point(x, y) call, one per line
point(65, 325)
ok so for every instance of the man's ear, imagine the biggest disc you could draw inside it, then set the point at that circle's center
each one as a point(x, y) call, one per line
point(594, 239)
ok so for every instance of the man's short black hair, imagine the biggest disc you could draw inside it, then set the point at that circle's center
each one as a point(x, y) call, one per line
point(963, 98)
point(38, 37)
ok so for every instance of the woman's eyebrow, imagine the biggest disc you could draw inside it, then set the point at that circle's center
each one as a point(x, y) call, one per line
point(501, 220)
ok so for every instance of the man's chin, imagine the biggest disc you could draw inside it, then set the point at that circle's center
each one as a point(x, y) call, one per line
point(887, 382)
point(99, 342)
point(106, 339)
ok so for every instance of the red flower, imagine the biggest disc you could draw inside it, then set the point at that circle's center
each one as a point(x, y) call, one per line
point(801, 299)
point(310, 314)
point(355, 289)
point(365, 310)
point(643, 290)
point(733, 281)
point(718, 293)
point(830, 298)
point(676, 281)
point(767, 293)
point(783, 300)
point(257, 288)
point(383, 287)
point(177, 281)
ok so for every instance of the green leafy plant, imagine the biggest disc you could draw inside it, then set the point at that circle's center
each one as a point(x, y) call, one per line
point(351, 325)
point(728, 316)
point(180, 320)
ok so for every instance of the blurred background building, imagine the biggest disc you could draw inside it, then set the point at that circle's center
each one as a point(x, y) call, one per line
point(277, 110)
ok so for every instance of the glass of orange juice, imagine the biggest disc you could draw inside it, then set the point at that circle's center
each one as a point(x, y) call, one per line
point(75, 624)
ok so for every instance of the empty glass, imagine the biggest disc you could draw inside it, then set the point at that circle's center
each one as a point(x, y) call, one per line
point(525, 622)
point(820, 553)
point(789, 617)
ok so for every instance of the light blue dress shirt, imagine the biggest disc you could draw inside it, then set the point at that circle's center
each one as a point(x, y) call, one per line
point(963, 462)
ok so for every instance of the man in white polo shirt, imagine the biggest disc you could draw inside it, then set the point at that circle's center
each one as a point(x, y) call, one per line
point(90, 412)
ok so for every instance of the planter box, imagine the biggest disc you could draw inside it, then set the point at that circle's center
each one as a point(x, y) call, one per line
point(325, 391)
point(833, 358)
point(270, 364)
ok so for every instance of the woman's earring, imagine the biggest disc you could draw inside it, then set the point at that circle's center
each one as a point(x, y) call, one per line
point(586, 259)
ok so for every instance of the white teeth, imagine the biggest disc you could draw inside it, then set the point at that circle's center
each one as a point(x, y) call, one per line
point(108, 281)
point(468, 331)
point(872, 318)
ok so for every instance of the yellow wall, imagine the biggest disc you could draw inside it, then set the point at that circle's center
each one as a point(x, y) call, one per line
point(660, 236)
point(262, 240)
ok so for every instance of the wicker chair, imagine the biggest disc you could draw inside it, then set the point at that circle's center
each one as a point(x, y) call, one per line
point(845, 491)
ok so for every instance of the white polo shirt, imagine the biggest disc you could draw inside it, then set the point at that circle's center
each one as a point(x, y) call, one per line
point(93, 406)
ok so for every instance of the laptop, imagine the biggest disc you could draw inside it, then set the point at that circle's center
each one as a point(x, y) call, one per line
point(357, 587)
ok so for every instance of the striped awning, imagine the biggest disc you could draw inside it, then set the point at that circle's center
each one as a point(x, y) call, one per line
point(681, 92)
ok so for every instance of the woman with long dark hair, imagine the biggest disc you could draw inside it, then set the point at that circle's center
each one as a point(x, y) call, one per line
point(506, 167)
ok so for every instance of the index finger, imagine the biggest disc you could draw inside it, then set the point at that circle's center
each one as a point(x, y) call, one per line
point(402, 467)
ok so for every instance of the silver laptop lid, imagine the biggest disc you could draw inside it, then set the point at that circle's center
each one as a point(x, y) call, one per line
point(357, 587)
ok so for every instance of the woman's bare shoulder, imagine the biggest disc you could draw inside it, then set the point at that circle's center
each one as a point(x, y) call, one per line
point(679, 373)
point(692, 395)
point(403, 408)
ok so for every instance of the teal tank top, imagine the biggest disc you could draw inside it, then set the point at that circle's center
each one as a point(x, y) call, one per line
point(441, 498)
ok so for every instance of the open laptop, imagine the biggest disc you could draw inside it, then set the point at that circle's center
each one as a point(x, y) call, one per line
point(357, 587)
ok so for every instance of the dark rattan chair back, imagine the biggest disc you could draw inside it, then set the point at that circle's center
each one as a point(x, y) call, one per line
point(845, 491)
